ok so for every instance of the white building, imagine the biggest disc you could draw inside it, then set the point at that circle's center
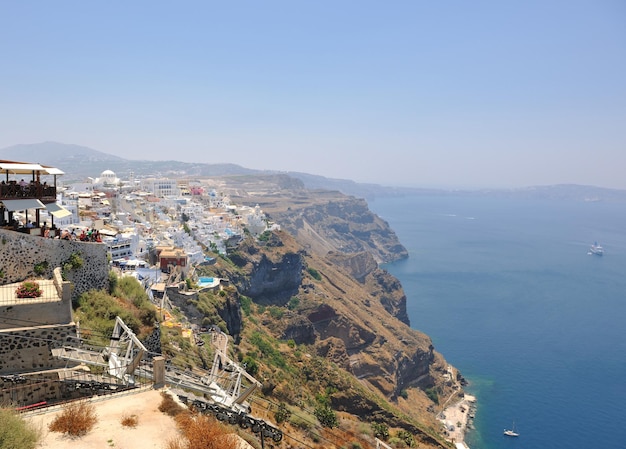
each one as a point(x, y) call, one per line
point(162, 188)
point(107, 178)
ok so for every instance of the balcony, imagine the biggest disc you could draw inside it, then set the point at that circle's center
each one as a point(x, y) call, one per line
point(34, 190)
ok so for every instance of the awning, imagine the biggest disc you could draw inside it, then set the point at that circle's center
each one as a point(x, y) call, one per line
point(25, 168)
point(13, 205)
point(20, 168)
point(53, 171)
point(57, 211)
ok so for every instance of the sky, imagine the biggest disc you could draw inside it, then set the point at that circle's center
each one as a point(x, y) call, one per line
point(411, 93)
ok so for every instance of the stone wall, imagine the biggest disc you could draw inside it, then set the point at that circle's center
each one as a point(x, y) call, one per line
point(36, 314)
point(29, 374)
point(24, 350)
point(31, 389)
point(21, 253)
point(19, 391)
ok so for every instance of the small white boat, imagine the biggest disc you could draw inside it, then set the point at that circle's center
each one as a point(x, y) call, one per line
point(511, 432)
point(596, 249)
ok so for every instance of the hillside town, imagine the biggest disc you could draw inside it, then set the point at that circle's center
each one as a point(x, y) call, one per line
point(146, 223)
point(158, 231)
point(155, 230)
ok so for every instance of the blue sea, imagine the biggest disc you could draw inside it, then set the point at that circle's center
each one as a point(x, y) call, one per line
point(509, 295)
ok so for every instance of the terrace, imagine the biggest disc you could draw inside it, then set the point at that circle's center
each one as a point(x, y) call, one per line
point(25, 186)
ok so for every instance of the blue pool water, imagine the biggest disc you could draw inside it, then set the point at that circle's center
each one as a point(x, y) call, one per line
point(205, 281)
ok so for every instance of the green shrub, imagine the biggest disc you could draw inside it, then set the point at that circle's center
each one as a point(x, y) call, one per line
point(246, 304)
point(276, 312)
point(314, 274)
point(15, 433)
point(380, 430)
point(300, 422)
point(73, 262)
point(251, 366)
point(271, 354)
point(293, 303)
point(406, 437)
point(97, 311)
point(282, 414)
point(326, 416)
point(40, 268)
point(112, 281)
point(432, 395)
point(131, 290)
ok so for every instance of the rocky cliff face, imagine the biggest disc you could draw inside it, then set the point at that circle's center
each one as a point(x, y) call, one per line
point(321, 220)
point(270, 277)
point(343, 224)
point(360, 324)
point(319, 278)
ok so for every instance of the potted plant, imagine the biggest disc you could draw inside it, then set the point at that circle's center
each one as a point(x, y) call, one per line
point(29, 289)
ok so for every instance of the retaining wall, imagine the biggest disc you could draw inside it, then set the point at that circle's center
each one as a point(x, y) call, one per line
point(24, 350)
point(21, 253)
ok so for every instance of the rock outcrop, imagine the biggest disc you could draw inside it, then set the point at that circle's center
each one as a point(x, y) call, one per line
point(322, 221)
point(360, 324)
point(318, 285)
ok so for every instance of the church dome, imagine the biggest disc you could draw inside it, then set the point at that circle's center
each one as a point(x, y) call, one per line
point(108, 174)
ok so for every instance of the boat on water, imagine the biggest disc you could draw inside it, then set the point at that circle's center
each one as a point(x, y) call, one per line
point(596, 249)
point(511, 432)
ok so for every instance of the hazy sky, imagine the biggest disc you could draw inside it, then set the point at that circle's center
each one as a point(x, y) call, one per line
point(424, 93)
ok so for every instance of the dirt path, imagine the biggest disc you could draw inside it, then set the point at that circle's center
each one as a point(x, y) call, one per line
point(153, 430)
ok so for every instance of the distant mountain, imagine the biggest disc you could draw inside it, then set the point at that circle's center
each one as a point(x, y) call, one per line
point(570, 192)
point(80, 162)
point(48, 153)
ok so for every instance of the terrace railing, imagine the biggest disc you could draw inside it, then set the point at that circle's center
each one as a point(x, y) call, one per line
point(13, 190)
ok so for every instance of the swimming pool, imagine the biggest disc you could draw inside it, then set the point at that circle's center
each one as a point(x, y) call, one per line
point(205, 281)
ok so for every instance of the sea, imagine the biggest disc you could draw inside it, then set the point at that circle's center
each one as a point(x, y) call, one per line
point(510, 295)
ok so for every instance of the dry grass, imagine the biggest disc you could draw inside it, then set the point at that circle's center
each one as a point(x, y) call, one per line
point(130, 421)
point(17, 433)
point(76, 419)
point(202, 432)
point(169, 406)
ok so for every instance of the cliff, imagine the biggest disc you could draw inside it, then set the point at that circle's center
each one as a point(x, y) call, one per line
point(322, 221)
point(317, 284)
point(312, 314)
point(361, 324)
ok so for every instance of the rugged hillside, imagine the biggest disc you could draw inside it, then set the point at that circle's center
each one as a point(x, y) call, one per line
point(361, 324)
point(322, 221)
point(317, 315)
point(344, 333)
